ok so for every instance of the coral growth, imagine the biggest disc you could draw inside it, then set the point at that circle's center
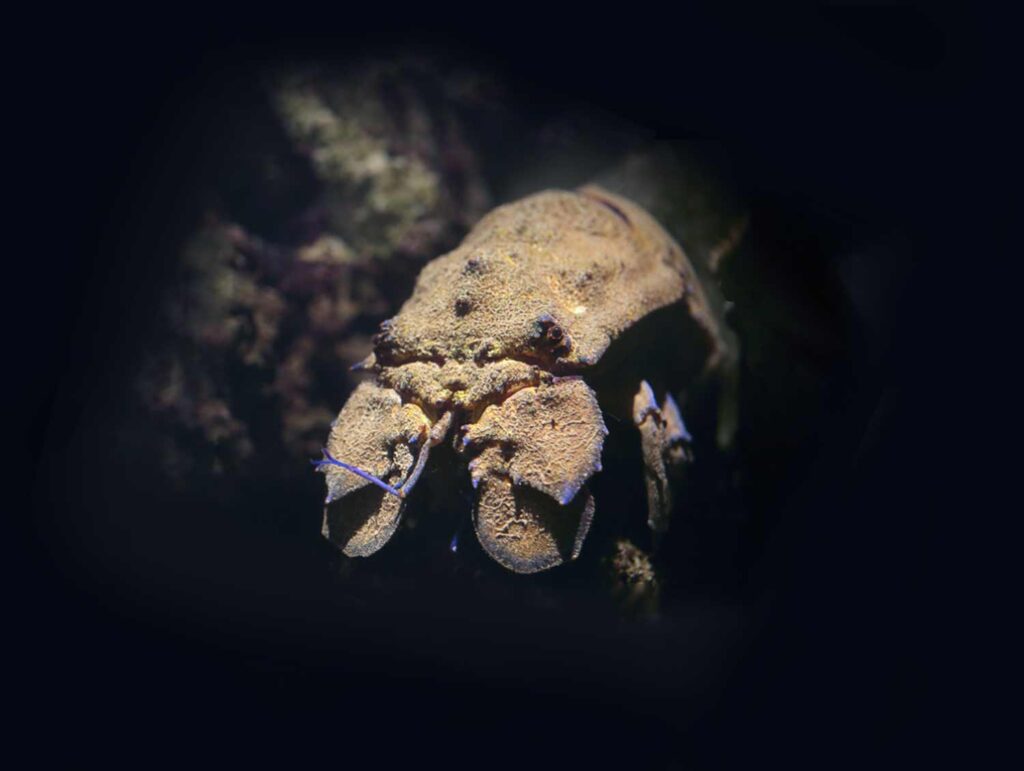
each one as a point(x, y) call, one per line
point(634, 582)
point(263, 311)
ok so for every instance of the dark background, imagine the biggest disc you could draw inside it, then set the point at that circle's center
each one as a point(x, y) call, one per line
point(842, 124)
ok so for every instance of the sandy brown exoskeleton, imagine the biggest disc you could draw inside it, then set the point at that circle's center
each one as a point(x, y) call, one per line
point(498, 346)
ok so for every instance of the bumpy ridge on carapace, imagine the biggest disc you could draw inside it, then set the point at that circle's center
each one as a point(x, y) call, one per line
point(551, 279)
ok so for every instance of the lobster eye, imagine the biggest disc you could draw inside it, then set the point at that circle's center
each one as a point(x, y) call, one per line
point(549, 335)
point(384, 342)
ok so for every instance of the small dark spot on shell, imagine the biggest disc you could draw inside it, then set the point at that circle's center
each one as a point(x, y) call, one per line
point(482, 351)
point(473, 266)
point(462, 306)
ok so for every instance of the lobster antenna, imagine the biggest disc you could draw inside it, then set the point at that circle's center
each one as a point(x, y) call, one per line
point(329, 460)
point(436, 434)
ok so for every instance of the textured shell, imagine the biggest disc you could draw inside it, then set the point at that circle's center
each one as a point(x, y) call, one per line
point(555, 434)
point(552, 278)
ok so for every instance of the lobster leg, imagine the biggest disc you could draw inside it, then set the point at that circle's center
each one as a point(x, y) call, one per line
point(666, 445)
